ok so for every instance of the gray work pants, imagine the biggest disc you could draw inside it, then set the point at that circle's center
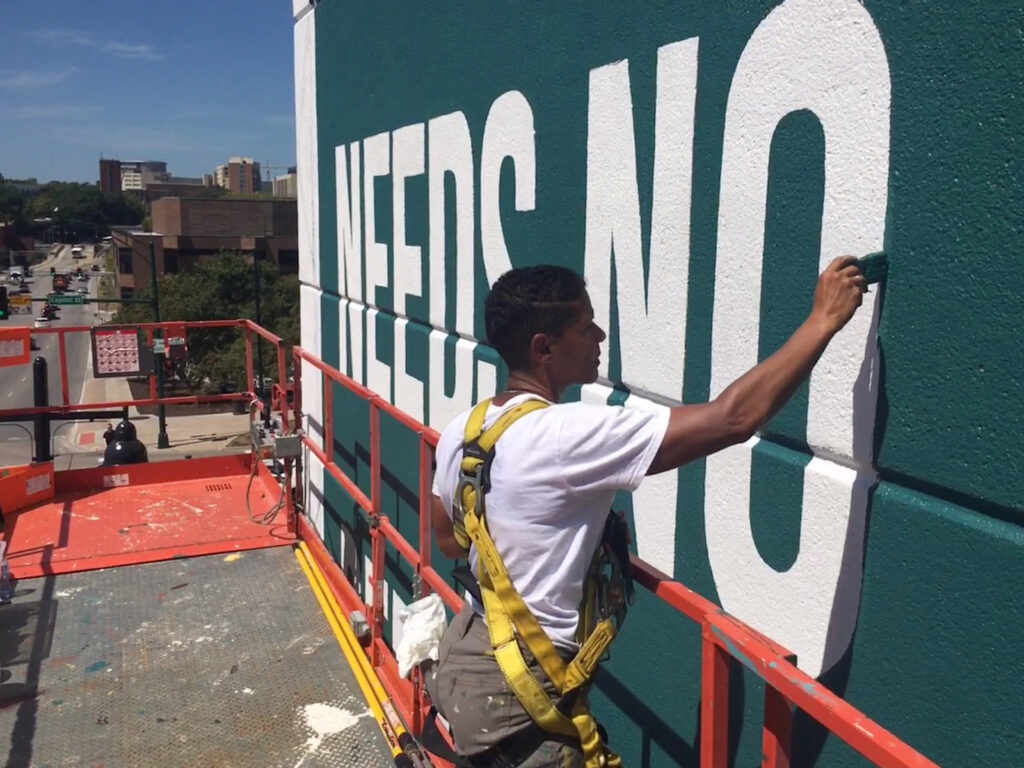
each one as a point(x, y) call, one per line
point(469, 690)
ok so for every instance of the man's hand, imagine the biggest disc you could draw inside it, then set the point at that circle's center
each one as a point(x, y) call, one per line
point(840, 290)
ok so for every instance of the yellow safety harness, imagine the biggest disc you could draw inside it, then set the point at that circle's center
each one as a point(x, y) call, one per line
point(506, 613)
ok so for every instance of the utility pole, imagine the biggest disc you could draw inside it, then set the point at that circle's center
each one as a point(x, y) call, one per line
point(162, 440)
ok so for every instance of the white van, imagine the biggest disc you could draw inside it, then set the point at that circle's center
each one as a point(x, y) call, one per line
point(17, 274)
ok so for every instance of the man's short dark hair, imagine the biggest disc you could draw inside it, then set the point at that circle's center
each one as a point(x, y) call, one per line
point(530, 300)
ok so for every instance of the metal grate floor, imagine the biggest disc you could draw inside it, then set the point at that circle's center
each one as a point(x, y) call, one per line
point(222, 660)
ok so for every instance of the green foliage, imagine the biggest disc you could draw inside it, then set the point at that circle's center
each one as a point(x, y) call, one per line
point(223, 288)
point(82, 211)
point(12, 205)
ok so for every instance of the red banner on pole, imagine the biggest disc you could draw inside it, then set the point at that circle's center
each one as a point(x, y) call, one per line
point(15, 345)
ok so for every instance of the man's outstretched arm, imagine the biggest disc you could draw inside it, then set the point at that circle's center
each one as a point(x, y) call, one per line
point(695, 431)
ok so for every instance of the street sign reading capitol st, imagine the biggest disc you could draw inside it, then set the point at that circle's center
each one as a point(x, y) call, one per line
point(65, 298)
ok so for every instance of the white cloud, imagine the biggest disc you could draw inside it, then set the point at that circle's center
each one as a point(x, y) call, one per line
point(65, 37)
point(58, 37)
point(132, 51)
point(12, 79)
point(35, 112)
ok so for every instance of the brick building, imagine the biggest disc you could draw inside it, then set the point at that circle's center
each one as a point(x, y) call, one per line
point(185, 230)
point(110, 175)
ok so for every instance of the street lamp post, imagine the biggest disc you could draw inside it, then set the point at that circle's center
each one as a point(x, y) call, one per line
point(162, 441)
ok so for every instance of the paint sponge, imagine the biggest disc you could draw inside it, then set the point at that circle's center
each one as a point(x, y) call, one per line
point(874, 266)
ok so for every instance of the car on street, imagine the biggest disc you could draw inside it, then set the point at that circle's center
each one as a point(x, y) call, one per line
point(77, 252)
point(83, 278)
point(23, 288)
point(42, 322)
point(84, 291)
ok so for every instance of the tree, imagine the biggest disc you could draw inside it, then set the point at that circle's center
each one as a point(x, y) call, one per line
point(222, 287)
point(82, 211)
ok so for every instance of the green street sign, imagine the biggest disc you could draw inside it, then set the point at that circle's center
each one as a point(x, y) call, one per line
point(65, 298)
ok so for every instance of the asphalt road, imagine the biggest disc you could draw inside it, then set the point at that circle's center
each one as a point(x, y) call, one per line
point(16, 385)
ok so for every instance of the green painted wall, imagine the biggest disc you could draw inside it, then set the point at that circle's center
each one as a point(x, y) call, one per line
point(936, 622)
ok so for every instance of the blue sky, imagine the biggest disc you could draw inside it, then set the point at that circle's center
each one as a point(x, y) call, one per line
point(192, 82)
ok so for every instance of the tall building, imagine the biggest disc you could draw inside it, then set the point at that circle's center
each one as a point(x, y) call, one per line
point(285, 184)
point(139, 174)
point(240, 174)
point(110, 175)
point(131, 174)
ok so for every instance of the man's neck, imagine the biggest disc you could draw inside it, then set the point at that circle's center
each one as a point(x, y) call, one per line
point(520, 382)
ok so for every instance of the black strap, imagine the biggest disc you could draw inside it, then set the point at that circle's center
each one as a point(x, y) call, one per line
point(464, 575)
point(432, 741)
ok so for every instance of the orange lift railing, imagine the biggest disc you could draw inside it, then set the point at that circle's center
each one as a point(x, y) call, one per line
point(723, 637)
point(279, 393)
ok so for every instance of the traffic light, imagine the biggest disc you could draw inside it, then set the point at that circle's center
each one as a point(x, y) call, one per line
point(53, 271)
point(5, 304)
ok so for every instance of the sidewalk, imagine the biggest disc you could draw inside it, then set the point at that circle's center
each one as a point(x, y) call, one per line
point(189, 436)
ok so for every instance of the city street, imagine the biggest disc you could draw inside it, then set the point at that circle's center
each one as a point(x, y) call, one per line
point(16, 381)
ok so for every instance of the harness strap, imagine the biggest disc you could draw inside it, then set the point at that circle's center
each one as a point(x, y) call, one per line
point(506, 612)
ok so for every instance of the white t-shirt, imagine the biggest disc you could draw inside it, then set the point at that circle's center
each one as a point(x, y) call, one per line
point(553, 477)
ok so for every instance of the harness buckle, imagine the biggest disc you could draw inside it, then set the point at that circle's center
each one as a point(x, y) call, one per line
point(482, 473)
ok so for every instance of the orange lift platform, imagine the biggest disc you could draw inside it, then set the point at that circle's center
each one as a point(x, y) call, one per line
point(186, 612)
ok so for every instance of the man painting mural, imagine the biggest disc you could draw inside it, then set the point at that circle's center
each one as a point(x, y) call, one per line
point(547, 486)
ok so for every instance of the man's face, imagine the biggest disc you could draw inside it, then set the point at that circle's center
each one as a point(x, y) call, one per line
point(576, 353)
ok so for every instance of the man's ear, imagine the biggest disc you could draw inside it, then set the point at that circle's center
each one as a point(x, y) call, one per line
point(540, 347)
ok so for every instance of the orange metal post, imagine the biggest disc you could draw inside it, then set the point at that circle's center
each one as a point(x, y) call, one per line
point(249, 372)
point(778, 729)
point(714, 703)
point(377, 588)
point(328, 400)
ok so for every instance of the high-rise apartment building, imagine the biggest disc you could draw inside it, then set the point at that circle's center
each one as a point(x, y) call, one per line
point(110, 175)
point(240, 174)
point(118, 175)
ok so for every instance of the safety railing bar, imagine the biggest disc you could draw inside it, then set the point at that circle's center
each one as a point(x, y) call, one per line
point(335, 374)
point(273, 338)
point(84, 408)
point(680, 597)
point(395, 539)
point(408, 421)
point(61, 330)
point(350, 487)
point(840, 717)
